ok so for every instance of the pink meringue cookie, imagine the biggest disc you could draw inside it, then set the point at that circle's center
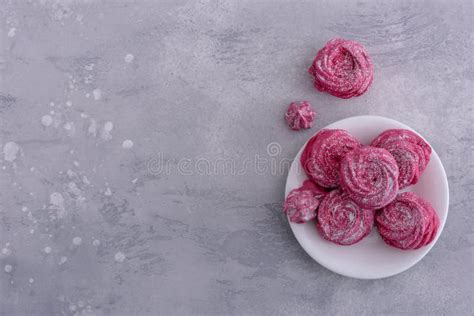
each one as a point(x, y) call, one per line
point(322, 155)
point(370, 176)
point(342, 68)
point(411, 152)
point(341, 220)
point(301, 204)
point(300, 115)
point(409, 222)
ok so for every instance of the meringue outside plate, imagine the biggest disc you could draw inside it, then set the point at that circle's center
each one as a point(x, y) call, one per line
point(371, 258)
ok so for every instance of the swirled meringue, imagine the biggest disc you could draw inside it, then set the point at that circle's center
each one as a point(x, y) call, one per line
point(370, 176)
point(322, 155)
point(342, 68)
point(410, 151)
point(409, 222)
point(341, 220)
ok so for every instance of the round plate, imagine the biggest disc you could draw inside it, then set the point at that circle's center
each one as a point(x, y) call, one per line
point(370, 258)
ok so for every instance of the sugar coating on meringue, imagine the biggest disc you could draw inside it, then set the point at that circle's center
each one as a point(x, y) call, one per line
point(322, 155)
point(410, 151)
point(370, 176)
point(342, 68)
point(341, 220)
point(302, 203)
point(409, 222)
point(300, 115)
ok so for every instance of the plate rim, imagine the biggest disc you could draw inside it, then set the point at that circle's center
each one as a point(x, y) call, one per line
point(305, 245)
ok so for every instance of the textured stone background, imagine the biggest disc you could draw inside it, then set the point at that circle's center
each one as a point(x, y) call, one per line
point(90, 227)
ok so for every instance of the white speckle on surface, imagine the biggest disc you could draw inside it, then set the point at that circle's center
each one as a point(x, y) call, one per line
point(96, 243)
point(105, 132)
point(134, 180)
point(97, 94)
point(88, 79)
point(119, 256)
point(85, 180)
point(31, 280)
point(61, 12)
point(46, 120)
point(77, 241)
point(351, 217)
point(68, 126)
point(71, 174)
point(8, 268)
point(62, 260)
point(70, 129)
point(76, 163)
point(68, 103)
point(10, 150)
point(51, 112)
point(51, 103)
point(127, 144)
point(56, 202)
point(32, 231)
point(108, 192)
point(47, 249)
point(84, 115)
point(6, 251)
point(24, 209)
point(88, 95)
point(129, 58)
point(80, 304)
point(92, 128)
point(56, 199)
point(12, 32)
point(89, 67)
point(57, 119)
point(75, 192)
point(108, 126)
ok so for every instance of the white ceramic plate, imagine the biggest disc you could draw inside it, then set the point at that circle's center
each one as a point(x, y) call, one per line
point(371, 258)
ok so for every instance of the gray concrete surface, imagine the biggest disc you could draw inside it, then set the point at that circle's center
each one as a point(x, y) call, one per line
point(90, 226)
